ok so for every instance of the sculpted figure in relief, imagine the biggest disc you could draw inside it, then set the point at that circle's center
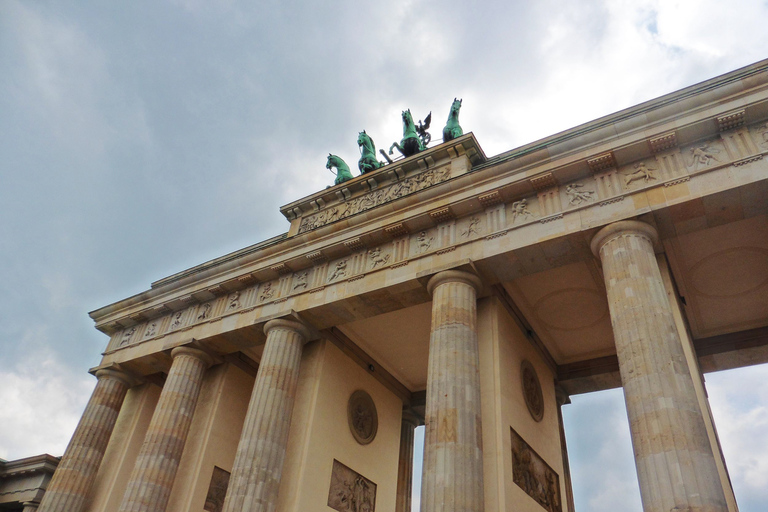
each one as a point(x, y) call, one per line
point(177, 319)
point(763, 130)
point(576, 196)
point(473, 228)
point(702, 156)
point(424, 241)
point(377, 258)
point(641, 172)
point(266, 293)
point(520, 209)
point(151, 330)
point(127, 336)
point(234, 300)
point(339, 271)
point(301, 280)
point(204, 311)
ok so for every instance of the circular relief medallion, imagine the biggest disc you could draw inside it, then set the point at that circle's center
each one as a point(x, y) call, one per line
point(534, 399)
point(362, 416)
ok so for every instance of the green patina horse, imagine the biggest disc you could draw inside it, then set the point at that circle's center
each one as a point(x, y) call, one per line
point(342, 169)
point(452, 127)
point(414, 139)
point(368, 161)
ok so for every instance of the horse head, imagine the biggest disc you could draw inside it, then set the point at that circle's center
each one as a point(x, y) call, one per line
point(456, 105)
point(330, 163)
point(363, 138)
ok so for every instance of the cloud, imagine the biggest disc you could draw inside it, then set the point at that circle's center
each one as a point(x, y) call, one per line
point(42, 403)
point(737, 400)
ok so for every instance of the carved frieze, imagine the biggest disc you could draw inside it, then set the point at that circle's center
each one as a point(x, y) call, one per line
point(350, 491)
point(534, 476)
point(376, 198)
point(362, 416)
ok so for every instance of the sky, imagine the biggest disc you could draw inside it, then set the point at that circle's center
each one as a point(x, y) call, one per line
point(138, 139)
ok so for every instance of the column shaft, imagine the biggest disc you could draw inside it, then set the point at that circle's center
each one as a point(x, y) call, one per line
point(258, 465)
point(149, 486)
point(75, 474)
point(405, 464)
point(453, 450)
point(675, 464)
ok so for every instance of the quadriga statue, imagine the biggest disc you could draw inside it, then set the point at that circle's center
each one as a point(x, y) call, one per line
point(342, 169)
point(368, 161)
point(414, 139)
point(452, 127)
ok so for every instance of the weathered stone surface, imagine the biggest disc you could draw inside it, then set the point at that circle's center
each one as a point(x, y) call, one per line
point(152, 479)
point(453, 450)
point(73, 479)
point(675, 464)
point(261, 452)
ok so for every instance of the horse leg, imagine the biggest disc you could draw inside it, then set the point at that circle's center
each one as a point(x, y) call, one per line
point(396, 145)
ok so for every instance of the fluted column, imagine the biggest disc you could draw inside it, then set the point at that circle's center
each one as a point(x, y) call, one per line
point(73, 479)
point(405, 465)
point(675, 464)
point(258, 466)
point(152, 478)
point(453, 448)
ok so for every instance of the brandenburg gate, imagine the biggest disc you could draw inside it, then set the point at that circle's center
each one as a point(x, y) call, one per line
point(468, 293)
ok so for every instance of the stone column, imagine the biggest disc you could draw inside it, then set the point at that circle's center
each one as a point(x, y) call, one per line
point(73, 479)
point(562, 398)
point(258, 466)
point(675, 464)
point(453, 446)
point(405, 465)
point(152, 478)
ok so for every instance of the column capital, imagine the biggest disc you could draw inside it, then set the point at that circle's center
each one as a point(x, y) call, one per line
point(454, 276)
point(623, 227)
point(116, 374)
point(290, 325)
point(193, 352)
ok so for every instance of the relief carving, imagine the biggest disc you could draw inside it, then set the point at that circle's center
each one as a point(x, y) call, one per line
point(520, 209)
point(534, 476)
point(205, 311)
point(534, 398)
point(234, 301)
point(373, 199)
point(127, 336)
point(376, 257)
point(702, 156)
point(472, 229)
point(217, 490)
point(177, 319)
point(424, 242)
point(362, 416)
point(266, 293)
point(763, 131)
point(350, 491)
point(641, 172)
point(151, 330)
point(300, 280)
point(339, 271)
point(577, 196)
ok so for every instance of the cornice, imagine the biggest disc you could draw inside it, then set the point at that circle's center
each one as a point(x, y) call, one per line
point(509, 180)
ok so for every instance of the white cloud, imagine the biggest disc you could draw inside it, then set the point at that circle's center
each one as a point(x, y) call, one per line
point(42, 403)
point(737, 398)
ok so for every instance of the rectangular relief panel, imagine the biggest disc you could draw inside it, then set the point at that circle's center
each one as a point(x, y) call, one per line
point(350, 491)
point(214, 502)
point(534, 476)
